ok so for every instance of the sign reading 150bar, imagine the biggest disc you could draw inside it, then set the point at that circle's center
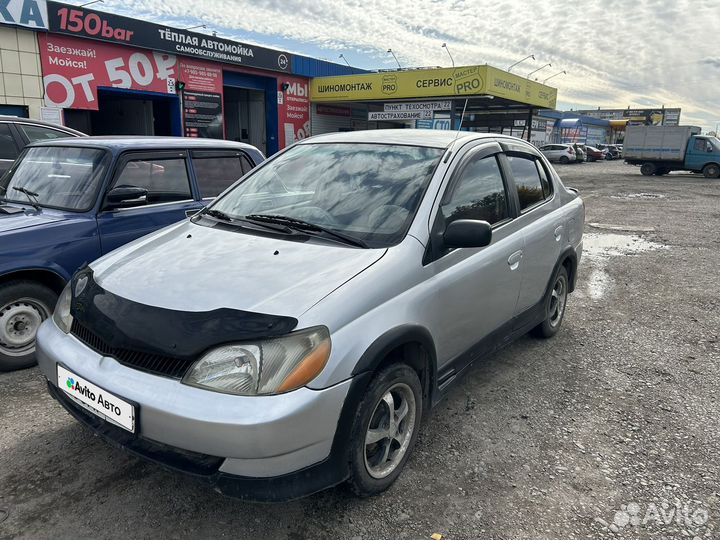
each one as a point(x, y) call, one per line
point(89, 23)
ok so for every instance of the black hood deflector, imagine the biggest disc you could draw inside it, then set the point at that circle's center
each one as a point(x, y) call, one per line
point(124, 324)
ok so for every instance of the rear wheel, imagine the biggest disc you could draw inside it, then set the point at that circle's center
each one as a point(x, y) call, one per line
point(648, 169)
point(385, 429)
point(711, 170)
point(24, 305)
point(554, 306)
point(564, 160)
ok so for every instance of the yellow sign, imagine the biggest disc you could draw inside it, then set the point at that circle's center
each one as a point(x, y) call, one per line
point(465, 81)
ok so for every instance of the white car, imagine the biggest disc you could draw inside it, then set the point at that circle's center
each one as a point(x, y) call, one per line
point(562, 153)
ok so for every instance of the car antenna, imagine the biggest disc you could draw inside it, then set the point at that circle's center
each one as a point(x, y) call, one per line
point(462, 117)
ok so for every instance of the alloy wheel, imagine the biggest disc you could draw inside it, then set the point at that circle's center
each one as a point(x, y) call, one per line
point(390, 431)
point(558, 298)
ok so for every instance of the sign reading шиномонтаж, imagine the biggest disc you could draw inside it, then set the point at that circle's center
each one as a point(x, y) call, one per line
point(466, 81)
point(92, 24)
point(399, 115)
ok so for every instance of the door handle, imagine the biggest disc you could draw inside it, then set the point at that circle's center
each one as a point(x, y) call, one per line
point(514, 259)
point(558, 233)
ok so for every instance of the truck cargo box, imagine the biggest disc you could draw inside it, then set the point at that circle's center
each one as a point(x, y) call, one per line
point(657, 143)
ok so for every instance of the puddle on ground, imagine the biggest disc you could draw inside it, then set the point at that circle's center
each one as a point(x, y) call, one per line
point(599, 248)
point(635, 196)
point(614, 245)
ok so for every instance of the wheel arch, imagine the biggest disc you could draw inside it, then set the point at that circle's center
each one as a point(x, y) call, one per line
point(568, 259)
point(410, 344)
point(45, 276)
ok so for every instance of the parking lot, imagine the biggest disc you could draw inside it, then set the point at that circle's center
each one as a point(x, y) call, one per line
point(608, 430)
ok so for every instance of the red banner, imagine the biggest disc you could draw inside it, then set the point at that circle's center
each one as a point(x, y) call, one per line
point(293, 110)
point(74, 68)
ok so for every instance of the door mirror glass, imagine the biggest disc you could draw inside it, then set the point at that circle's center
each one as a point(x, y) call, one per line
point(125, 194)
point(467, 233)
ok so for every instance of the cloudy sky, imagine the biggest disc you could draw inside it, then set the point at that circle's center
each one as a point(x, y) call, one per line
point(617, 53)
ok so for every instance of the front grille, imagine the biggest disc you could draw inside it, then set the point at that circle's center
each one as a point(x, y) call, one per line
point(156, 364)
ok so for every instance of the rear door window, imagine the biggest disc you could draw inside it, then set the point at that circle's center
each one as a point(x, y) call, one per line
point(528, 182)
point(41, 133)
point(216, 172)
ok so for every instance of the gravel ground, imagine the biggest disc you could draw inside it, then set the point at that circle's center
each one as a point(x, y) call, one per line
point(609, 430)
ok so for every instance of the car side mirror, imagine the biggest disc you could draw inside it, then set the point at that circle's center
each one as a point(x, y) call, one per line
point(122, 194)
point(467, 233)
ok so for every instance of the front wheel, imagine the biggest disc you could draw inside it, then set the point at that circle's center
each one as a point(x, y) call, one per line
point(385, 428)
point(554, 306)
point(564, 160)
point(711, 171)
point(24, 305)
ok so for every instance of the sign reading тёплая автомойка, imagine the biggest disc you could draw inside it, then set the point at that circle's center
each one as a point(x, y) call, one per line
point(420, 106)
point(399, 115)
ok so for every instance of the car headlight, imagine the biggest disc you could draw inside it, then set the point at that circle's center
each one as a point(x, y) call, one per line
point(61, 315)
point(268, 366)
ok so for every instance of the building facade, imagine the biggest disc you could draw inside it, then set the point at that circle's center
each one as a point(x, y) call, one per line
point(106, 74)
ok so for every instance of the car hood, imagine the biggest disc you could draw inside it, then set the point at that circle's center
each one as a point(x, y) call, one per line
point(190, 267)
point(24, 220)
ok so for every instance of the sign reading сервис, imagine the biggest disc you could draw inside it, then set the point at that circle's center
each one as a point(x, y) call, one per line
point(28, 13)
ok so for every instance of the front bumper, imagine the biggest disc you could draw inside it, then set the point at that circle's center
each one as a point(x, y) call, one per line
point(248, 446)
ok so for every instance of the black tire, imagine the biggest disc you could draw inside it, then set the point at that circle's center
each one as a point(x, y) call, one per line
point(361, 481)
point(24, 302)
point(711, 170)
point(648, 169)
point(564, 160)
point(551, 325)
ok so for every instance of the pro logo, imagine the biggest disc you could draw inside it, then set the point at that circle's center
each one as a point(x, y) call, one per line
point(70, 383)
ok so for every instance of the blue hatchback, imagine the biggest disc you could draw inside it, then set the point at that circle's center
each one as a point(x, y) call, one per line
point(66, 202)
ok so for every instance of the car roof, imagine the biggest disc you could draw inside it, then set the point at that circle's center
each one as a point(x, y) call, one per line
point(432, 138)
point(121, 142)
point(21, 120)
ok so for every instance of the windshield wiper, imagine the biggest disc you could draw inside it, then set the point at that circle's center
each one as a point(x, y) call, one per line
point(218, 214)
point(305, 226)
point(222, 216)
point(31, 195)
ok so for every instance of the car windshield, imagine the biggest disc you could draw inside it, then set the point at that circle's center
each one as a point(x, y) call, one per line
point(369, 192)
point(55, 176)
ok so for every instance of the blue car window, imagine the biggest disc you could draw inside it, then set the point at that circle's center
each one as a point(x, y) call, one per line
point(67, 178)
